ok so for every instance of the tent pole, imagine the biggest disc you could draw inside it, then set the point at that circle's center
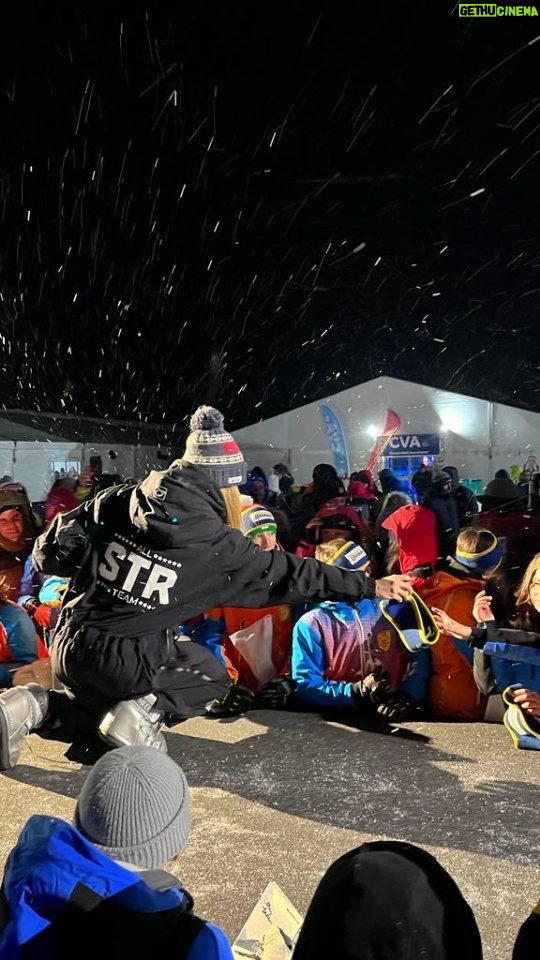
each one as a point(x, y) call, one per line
point(490, 430)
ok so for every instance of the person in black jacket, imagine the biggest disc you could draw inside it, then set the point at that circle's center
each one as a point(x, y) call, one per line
point(144, 558)
point(467, 504)
point(442, 503)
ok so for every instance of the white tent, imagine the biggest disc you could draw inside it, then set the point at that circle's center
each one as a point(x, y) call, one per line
point(34, 446)
point(477, 436)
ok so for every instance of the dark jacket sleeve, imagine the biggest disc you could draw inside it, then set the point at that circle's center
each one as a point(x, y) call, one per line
point(491, 632)
point(483, 673)
point(61, 550)
point(257, 578)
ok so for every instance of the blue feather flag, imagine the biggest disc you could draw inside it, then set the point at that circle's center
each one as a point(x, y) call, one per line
point(336, 438)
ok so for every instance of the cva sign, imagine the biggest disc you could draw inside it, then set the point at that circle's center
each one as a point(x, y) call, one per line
point(412, 443)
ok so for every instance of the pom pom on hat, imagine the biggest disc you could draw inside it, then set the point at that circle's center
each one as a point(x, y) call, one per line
point(209, 447)
point(207, 418)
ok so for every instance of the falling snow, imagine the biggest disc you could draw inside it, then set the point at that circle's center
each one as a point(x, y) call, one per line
point(205, 203)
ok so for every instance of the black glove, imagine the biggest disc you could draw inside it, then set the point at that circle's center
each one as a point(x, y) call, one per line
point(372, 688)
point(397, 707)
point(478, 636)
point(276, 694)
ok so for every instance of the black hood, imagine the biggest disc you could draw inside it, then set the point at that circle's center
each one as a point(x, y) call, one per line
point(388, 901)
point(181, 498)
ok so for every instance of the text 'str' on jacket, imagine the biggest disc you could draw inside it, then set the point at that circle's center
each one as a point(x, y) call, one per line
point(161, 548)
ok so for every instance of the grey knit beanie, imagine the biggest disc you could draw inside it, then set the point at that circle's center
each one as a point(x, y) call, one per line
point(212, 449)
point(134, 806)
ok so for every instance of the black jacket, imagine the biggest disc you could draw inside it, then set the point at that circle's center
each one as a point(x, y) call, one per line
point(149, 556)
point(446, 514)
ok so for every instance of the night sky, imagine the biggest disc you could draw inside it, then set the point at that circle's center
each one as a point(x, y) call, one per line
point(261, 204)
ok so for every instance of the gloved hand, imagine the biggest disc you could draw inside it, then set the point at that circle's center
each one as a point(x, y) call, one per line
point(276, 694)
point(42, 616)
point(373, 687)
point(397, 707)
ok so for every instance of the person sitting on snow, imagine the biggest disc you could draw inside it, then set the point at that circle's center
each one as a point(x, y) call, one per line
point(254, 645)
point(335, 520)
point(19, 644)
point(17, 535)
point(507, 655)
point(349, 656)
point(99, 885)
point(451, 592)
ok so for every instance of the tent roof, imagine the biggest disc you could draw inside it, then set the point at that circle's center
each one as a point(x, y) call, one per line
point(36, 425)
point(379, 382)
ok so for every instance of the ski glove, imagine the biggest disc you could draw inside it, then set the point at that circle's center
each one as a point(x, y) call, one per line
point(373, 688)
point(397, 707)
point(276, 694)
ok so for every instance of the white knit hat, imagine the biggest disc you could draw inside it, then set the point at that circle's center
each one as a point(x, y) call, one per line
point(212, 449)
point(134, 806)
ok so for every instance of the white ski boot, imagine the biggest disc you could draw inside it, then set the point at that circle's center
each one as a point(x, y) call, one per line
point(134, 723)
point(22, 709)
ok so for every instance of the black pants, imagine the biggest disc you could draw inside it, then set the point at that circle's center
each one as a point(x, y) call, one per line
point(100, 669)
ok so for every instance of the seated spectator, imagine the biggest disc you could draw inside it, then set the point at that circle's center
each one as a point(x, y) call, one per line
point(326, 485)
point(286, 479)
point(442, 502)
point(18, 641)
point(388, 899)
point(362, 496)
point(349, 656)
point(60, 499)
point(390, 483)
point(412, 541)
point(466, 501)
point(494, 674)
point(499, 491)
point(253, 644)
point(27, 507)
point(336, 519)
point(99, 886)
point(506, 654)
point(451, 594)
point(388, 505)
point(256, 487)
point(421, 481)
point(17, 535)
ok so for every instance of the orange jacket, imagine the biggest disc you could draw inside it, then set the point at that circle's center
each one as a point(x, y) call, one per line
point(453, 691)
point(230, 620)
